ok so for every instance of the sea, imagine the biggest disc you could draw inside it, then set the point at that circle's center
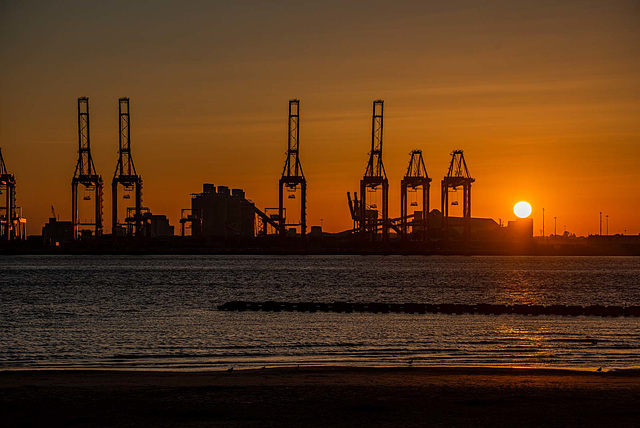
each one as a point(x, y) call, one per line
point(160, 312)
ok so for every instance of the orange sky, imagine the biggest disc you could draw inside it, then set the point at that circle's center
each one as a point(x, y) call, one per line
point(543, 98)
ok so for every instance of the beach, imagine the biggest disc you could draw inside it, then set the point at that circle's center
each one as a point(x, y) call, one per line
point(121, 341)
point(321, 396)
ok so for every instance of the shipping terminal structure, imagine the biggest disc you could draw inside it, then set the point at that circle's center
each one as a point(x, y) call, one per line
point(12, 225)
point(225, 216)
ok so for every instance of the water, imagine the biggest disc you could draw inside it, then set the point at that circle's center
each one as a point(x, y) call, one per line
point(159, 312)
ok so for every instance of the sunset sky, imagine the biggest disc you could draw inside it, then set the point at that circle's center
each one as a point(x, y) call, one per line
point(543, 97)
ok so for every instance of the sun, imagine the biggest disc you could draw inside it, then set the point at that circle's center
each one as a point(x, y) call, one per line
point(522, 209)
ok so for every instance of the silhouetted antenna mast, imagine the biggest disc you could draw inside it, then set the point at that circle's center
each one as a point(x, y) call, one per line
point(85, 174)
point(126, 175)
point(374, 177)
point(457, 176)
point(292, 175)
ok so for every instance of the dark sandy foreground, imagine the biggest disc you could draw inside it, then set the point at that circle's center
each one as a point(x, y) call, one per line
point(321, 397)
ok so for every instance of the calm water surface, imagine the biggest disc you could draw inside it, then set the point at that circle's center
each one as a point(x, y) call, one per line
point(159, 312)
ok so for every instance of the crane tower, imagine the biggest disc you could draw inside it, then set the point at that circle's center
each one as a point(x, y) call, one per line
point(457, 176)
point(292, 175)
point(415, 178)
point(85, 175)
point(126, 175)
point(12, 225)
point(375, 177)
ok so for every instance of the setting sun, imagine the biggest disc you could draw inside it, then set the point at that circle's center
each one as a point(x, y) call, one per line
point(522, 209)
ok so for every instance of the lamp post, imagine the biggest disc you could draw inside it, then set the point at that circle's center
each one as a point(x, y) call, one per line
point(600, 223)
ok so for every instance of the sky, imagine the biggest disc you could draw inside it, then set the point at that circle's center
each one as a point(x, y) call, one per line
point(543, 97)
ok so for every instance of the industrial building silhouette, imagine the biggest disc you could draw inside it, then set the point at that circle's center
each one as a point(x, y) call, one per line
point(219, 214)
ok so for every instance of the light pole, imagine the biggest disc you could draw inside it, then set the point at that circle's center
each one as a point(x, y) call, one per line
point(555, 224)
point(600, 223)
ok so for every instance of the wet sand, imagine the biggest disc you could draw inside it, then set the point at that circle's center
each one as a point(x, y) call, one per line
point(321, 397)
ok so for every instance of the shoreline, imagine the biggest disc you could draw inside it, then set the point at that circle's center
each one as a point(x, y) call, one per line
point(312, 252)
point(459, 369)
point(322, 396)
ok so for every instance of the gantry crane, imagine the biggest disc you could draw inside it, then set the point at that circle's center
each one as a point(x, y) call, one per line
point(457, 176)
point(85, 174)
point(415, 178)
point(126, 175)
point(292, 175)
point(9, 220)
point(375, 177)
